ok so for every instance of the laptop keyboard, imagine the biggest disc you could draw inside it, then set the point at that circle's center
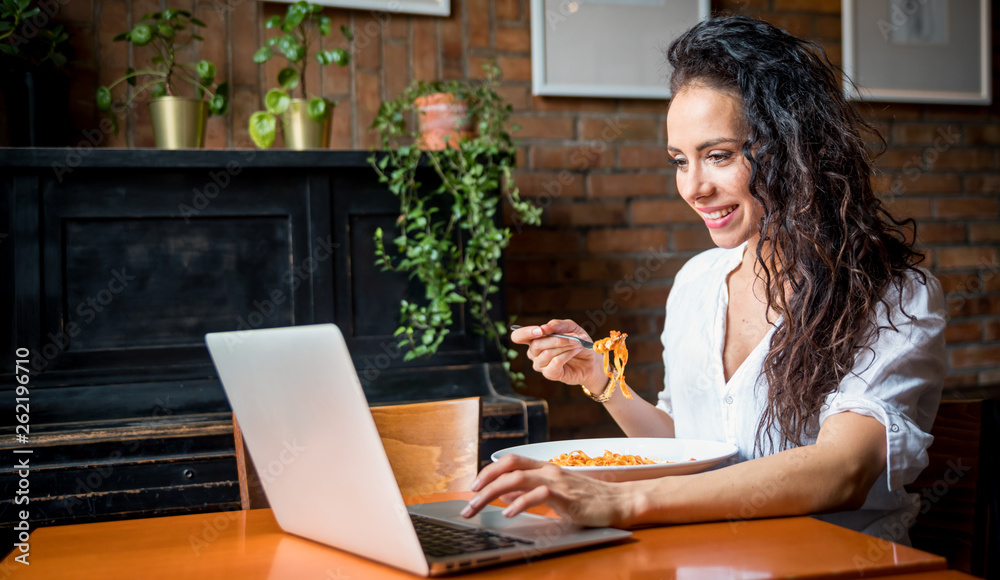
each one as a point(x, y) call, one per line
point(440, 540)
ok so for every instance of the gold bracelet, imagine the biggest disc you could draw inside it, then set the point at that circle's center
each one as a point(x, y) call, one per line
point(603, 398)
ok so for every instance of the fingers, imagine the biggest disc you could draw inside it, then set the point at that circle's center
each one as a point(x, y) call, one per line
point(508, 477)
point(564, 327)
point(526, 334)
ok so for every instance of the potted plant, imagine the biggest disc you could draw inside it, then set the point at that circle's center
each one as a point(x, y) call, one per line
point(35, 86)
point(449, 237)
point(305, 120)
point(178, 120)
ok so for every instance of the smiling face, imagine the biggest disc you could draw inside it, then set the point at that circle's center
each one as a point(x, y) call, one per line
point(705, 135)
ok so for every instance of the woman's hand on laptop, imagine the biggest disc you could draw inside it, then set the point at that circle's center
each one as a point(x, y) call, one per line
point(523, 483)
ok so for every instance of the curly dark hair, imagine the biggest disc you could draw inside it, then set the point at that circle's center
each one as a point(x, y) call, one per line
point(828, 251)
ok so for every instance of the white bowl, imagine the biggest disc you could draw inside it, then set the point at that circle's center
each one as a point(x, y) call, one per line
point(685, 455)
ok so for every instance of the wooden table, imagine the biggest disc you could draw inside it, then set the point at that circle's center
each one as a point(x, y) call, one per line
point(249, 544)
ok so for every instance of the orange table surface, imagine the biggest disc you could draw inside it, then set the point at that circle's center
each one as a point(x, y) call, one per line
point(249, 544)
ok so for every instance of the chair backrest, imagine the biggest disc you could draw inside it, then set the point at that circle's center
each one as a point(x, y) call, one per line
point(433, 447)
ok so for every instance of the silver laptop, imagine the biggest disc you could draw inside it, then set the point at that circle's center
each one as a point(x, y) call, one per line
point(310, 433)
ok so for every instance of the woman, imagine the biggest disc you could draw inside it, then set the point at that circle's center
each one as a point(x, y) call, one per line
point(809, 338)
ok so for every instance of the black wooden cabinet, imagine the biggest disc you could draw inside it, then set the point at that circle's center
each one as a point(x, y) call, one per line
point(115, 263)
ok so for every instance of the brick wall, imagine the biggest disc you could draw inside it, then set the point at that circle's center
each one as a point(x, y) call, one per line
point(614, 231)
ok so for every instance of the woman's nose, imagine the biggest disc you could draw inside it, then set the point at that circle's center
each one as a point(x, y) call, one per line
point(692, 185)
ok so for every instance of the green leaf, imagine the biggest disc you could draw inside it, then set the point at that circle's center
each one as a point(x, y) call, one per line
point(296, 13)
point(141, 34)
point(324, 25)
point(206, 71)
point(219, 104)
point(8, 49)
point(288, 78)
point(159, 90)
point(165, 30)
point(130, 76)
point(262, 55)
point(263, 129)
point(197, 22)
point(337, 55)
point(273, 22)
point(277, 101)
point(103, 97)
point(318, 109)
point(120, 37)
point(346, 32)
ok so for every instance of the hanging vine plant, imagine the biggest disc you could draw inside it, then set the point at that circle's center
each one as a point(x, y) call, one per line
point(448, 237)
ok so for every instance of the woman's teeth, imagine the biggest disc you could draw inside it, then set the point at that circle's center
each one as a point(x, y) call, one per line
point(721, 213)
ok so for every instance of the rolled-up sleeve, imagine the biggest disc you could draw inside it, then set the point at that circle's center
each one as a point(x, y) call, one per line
point(898, 381)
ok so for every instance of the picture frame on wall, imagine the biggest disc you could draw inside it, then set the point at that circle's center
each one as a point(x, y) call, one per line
point(917, 51)
point(424, 7)
point(607, 48)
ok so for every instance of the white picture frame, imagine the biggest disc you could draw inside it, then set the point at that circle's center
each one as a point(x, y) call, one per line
point(424, 7)
point(607, 48)
point(918, 51)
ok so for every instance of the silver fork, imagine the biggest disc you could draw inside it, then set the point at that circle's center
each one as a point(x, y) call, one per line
point(585, 343)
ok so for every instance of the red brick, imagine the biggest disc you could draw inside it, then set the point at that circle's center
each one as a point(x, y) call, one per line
point(566, 104)
point(966, 357)
point(960, 159)
point(535, 300)
point(632, 240)
point(694, 239)
point(956, 113)
point(549, 186)
point(633, 294)
point(244, 42)
point(795, 24)
point(342, 127)
point(967, 257)
point(990, 377)
point(963, 306)
point(958, 332)
point(530, 271)
point(517, 96)
point(983, 183)
point(515, 68)
point(982, 134)
point(628, 184)
point(984, 232)
point(589, 270)
point(941, 233)
point(957, 381)
point(396, 27)
point(614, 129)
point(642, 157)
point(908, 207)
point(367, 45)
point(79, 11)
point(826, 6)
point(586, 214)
point(925, 134)
point(452, 52)
point(969, 207)
point(827, 28)
point(545, 242)
point(909, 159)
point(368, 93)
point(571, 158)
point(508, 9)
point(244, 102)
point(479, 23)
point(958, 282)
point(514, 38)
point(645, 107)
point(662, 212)
point(993, 329)
point(397, 69)
point(542, 127)
point(912, 182)
point(891, 111)
point(425, 49)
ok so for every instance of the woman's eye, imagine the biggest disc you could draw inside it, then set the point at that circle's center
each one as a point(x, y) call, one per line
point(677, 161)
point(718, 157)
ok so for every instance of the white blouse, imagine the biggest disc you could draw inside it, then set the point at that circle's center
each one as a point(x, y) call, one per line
point(898, 382)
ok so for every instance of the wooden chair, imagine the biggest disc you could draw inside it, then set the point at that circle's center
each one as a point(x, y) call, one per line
point(960, 488)
point(433, 447)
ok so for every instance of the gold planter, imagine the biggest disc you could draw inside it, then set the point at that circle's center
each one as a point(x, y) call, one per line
point(300, 131)
point(179, 122)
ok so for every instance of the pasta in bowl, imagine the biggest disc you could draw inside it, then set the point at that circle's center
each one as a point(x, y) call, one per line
point(625, 458)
